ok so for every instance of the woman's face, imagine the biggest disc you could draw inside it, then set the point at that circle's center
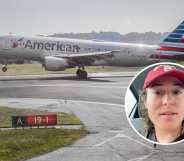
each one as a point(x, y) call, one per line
point(165, 103)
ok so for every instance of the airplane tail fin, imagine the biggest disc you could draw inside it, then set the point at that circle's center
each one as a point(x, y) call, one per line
point(172, 47)
point(175, 38)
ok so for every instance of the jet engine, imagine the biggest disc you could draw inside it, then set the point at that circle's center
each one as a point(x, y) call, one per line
point(55, 64)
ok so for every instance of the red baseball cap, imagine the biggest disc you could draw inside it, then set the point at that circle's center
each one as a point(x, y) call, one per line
point(162, 70)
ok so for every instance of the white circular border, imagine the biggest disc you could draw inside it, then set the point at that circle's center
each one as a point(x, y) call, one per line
point(152, 65)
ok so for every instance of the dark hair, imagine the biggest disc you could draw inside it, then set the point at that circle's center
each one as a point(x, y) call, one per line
point(148, 125)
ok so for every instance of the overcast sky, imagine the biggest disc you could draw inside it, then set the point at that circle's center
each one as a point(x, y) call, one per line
point(33, 17)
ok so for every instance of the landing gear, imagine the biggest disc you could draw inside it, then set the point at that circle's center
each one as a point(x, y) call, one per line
point(4, 68)
point(154, 146)
point(81, 73)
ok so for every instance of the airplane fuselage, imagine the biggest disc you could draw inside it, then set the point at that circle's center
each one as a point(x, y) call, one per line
point(37, 48)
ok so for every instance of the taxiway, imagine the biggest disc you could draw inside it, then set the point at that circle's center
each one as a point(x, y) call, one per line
point(99, 102)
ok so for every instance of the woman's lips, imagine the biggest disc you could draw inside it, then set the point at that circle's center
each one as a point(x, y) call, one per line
point(168, 113)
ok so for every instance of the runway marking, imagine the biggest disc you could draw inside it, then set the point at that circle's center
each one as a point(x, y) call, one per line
point(58, 100)
point(63, 85)
point(105, 141)
point(93, 102)
point(123, 135)
point(116, 131)
point(120, 135)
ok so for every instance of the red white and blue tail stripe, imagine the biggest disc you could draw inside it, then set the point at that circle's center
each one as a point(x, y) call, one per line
point(172, 47)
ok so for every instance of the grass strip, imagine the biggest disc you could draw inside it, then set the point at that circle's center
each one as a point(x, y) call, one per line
point(23, 144)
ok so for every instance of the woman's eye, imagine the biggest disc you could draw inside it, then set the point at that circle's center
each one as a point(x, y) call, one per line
point(176, 92)
point(158, 92)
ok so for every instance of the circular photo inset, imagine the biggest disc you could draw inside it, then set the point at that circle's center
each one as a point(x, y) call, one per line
point(154, 103)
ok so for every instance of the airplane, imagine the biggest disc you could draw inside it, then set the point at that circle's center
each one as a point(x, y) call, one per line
point(57, 54)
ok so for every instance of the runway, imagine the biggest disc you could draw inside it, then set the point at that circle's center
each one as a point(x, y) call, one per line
point(95, 89)
point(99, 102)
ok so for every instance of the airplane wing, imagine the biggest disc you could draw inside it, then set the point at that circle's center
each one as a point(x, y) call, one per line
point(86, 58)
point(91, 54)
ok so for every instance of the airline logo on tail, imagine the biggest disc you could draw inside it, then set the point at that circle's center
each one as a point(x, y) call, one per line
point(16, 43)
point(174, 41)
point(172, 47)
point(177, 35)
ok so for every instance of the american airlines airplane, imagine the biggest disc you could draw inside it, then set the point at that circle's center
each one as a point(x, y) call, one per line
point(56, 54)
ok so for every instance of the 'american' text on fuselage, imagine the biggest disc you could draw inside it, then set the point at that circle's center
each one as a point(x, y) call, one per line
point(52, 46)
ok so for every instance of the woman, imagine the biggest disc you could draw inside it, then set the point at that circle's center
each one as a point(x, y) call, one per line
point(162, 104)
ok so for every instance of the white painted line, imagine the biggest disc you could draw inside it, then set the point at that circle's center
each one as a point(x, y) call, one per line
point(109, 139)
point(64, 85)
point(18, 100)
point(116, 131)
point(105, 141)
point(102, 103)
point(125, 136)
point(120, 135)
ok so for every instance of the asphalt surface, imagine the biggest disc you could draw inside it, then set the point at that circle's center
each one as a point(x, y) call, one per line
point(99, 102)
